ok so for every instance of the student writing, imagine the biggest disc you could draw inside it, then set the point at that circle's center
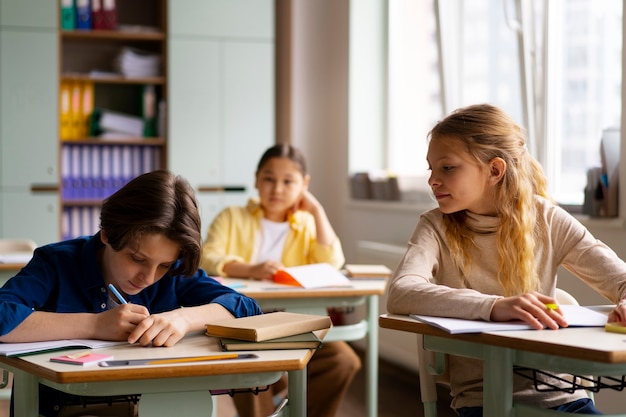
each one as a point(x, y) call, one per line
point(491, 249)
point(286, 226)
point(148, 248)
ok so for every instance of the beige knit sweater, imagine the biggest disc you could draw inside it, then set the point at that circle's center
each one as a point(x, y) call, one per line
point(426, 282)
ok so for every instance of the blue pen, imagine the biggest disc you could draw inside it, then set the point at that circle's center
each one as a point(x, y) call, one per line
point(117, 294)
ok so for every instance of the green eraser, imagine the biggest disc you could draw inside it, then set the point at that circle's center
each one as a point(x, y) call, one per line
point(615, 327)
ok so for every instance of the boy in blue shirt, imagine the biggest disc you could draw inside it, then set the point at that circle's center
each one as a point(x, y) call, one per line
point(148, 248)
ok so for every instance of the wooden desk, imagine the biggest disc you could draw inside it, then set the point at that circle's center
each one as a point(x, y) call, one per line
point(166, 390)
point(581, 351)
point(316, 301)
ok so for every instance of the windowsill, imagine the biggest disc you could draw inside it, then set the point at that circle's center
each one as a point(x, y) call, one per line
point(392, 205)
point(600, 222)
point(422, 206)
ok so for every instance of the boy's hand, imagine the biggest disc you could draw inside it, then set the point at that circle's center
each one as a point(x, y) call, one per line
point(119, 322)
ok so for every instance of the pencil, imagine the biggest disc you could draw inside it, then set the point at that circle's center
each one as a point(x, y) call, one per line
point(194, 359)
point(117, 294)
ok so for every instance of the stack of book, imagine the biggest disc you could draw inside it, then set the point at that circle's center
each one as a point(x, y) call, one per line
point(271, 331)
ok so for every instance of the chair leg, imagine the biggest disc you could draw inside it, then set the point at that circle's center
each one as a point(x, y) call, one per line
point(5, 379)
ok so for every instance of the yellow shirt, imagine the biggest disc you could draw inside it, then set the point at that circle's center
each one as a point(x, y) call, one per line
point(231, 237)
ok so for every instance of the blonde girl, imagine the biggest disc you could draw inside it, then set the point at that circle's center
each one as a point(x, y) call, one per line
point(492, 248)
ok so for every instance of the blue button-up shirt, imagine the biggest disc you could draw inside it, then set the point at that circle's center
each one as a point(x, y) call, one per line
point(65, 277)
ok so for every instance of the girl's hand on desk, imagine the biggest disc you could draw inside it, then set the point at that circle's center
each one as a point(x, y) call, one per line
point(618, 314)
point(262, 271)
point(530, 308)
point(119, 322)
point(265, 271)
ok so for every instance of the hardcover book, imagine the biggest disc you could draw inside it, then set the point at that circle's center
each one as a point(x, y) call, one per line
point(367, 271)
point(268, 326)
point(299, 341)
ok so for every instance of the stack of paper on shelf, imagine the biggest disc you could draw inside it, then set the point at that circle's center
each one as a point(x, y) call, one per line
point(268, 326)
point(312, 276)
point(133, 62)
point(107, 122)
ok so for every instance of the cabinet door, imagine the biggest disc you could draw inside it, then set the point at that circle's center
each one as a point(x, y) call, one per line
point(29, 13)
point(29, 122)
point(221, 115)
point(247, 109)
point(32, 216)
point(220, 19)
point(193, 110)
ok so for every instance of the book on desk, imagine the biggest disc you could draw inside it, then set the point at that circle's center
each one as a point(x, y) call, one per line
point(268, 326)
point(307, 340)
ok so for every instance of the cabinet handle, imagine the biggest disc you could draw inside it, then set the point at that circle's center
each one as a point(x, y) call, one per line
point(221, 188)
point(44, 188)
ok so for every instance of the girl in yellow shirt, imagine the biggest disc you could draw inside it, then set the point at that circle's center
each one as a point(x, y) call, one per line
point(286, 226)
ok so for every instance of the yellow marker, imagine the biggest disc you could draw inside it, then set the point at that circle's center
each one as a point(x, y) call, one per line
point(615, 327)
point(194, 359)
point(552, 306)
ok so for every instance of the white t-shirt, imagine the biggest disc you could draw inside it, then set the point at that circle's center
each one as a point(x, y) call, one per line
point(270, 241)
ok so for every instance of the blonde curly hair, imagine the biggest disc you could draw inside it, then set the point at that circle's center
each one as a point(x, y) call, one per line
point(487, 132)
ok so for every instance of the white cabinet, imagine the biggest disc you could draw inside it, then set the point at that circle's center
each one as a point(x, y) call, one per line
point(247, 19)
point(31, 215)
point(29, 14)
point(220, 96)
point(28, 119)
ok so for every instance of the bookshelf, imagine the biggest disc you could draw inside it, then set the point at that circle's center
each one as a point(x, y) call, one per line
point(111, 108)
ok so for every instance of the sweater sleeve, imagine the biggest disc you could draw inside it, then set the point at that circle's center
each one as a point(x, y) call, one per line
point(586, 257)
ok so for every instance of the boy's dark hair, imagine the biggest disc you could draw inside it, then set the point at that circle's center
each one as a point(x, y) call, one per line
point(156, 202)
point(284, 151)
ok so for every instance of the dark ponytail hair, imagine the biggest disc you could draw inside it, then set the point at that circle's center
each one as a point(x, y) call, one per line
point(284, 151)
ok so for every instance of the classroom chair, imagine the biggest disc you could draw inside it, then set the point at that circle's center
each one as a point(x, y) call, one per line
point(433, 368)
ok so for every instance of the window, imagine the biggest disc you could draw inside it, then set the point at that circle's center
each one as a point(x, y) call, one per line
point(553, 65)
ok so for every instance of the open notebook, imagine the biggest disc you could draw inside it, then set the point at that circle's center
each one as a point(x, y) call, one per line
point(576, 316)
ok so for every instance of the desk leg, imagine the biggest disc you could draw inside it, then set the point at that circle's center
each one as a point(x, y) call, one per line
point(371, 367)
point(179, 404)
point(498, 382)
point(296, 391)
point(26, 388)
